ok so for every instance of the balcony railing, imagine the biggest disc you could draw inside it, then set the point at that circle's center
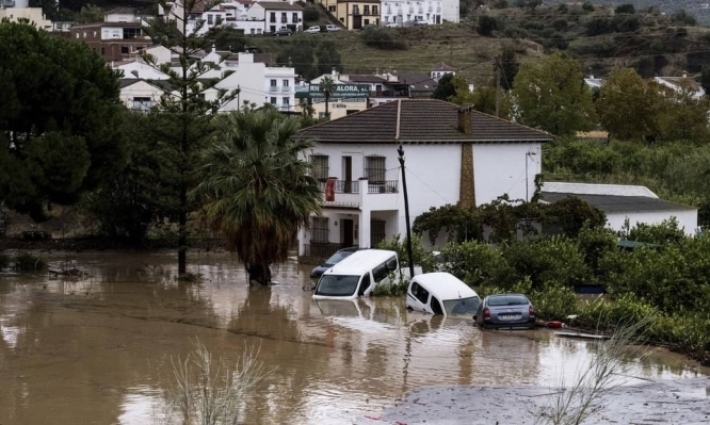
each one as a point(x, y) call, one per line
point(273, 89)
point(342, 186)
point(391, 186)
point(285, 89)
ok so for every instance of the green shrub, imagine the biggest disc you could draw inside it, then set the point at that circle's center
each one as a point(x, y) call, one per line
point(588, 7)
point(487, 25)
point(27, 262)
point(553, 302)
point(625, 9)
point(605, 313)
point(548, 261)
point(560, 25)
point(668, 232)
point(594, 244)
point(311, 13)
point(422, 257)
point(382, 38)
point(391, 290)
point(476, 263)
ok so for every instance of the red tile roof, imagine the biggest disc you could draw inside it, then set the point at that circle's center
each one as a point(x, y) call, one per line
point(420, 121)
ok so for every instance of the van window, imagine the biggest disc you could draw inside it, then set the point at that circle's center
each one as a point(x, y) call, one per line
point(420, 293)
point(364, 284)
point(337, 286)
point(380, 272)
point(392, 264)
point(435, 306)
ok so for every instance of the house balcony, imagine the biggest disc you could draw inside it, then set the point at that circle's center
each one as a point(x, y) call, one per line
point(285, 89)
point(273, 89)
point(381, 195)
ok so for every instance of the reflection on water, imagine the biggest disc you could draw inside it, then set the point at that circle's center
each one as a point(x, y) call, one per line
point(98, 350)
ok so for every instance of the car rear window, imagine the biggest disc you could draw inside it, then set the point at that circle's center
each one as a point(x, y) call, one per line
point(500, 300)
point(338, 257)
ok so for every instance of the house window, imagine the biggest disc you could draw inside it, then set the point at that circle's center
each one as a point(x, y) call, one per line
point(273, 86)
point(273, 28)
point(210, 19)
point(374, 10)
point(273, 101)
point(141, 104)
point(320, 167)
point(124, 50)
point(77, 35)
point(377, 232)
point(319, 229)
point(356, 10)
point(331, 8)
point(284, 19)
point(295, 18)
point(285, 103)
point(103, 50)
point(375, 169)
point(252, 31)
point(366, 10)
point(367, 22)
point(284, 83)
point(273, 17)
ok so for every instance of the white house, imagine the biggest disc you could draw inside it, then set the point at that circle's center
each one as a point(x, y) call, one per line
point(137, 69)
point(33, 14)
point(442, 69)
point(681, 85)
point(121, 14)
point(620, 203)
point(452, 155)
point(277, 15)
point(401, 12)
point(141, 95)
point(451, 11)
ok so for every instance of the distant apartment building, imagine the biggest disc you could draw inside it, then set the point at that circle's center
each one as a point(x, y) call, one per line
point(32, 14)
point(114, 41)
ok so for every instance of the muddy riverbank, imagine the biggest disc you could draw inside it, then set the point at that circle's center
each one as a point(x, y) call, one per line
point(640, 402)
point(98, 349)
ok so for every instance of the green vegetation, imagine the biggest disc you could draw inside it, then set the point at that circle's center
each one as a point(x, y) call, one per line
point(59, 120)
point(26, 262)
point(255, 188)
point(675, 170)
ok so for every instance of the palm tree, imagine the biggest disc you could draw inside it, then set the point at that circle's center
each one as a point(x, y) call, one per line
point(326, 86)
point(257, 189)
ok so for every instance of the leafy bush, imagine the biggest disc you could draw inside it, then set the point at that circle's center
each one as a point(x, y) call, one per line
point(668, 232)
point(549, 261)
point(594, 244)
point(588, 7)
point(422, 257)
point(311, 13)
point(487, 25)
point(476, 263)
point(599, 26)
point(27, 262)
point(553, 302)
point(391, 290)
point(382, 38)
point(560, 24)
point(681, 17)
point(625, 9)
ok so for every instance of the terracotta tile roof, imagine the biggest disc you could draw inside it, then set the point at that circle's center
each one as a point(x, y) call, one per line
point(443, 67)
point(278, 5)
point(420, 121)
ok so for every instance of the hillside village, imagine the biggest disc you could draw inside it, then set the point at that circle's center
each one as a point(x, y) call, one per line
point(352, 201)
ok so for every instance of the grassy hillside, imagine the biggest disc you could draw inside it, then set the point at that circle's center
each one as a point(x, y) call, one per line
point(426, 46)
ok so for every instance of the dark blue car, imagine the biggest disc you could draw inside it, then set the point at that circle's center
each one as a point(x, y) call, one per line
point(334, 259)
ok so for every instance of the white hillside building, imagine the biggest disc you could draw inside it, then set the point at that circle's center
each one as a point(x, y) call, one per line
point(403, 12)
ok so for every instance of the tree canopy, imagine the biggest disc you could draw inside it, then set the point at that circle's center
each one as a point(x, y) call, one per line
point(59, 119)
point(256, 188)
point(551, 95)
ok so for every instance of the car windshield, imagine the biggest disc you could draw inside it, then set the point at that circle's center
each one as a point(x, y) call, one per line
point(505, 300)
point(462, 305)
point(337, 286)
point(337, 257)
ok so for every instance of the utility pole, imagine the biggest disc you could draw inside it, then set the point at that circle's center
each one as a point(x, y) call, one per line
point(239, 92)
point(498, 86)
point(400, 151)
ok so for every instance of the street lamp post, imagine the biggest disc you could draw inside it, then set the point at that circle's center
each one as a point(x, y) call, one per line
point(400, 151)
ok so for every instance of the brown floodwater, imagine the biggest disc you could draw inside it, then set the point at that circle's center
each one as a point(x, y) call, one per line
point(98, 349)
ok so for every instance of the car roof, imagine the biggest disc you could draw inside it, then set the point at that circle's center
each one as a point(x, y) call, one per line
point(360, 262)
point(444, 286)
point(351, 249)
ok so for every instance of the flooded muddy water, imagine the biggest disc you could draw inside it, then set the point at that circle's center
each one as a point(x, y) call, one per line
point(98, 350)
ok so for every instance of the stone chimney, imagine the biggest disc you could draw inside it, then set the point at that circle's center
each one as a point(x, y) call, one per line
point(465, 121)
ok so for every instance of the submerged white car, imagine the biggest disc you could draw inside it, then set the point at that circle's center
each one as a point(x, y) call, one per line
point(441, 293)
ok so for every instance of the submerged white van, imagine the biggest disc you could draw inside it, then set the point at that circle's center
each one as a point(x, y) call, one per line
point(441, 293)
point(357, 275)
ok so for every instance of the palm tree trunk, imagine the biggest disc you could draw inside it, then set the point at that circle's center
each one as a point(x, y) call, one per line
point(327, 99)
point(259, 273)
